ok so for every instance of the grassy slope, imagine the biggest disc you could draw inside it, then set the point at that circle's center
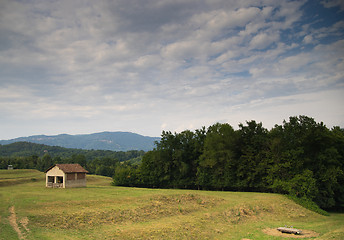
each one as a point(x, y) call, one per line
point(19, 176)
point(101, 211)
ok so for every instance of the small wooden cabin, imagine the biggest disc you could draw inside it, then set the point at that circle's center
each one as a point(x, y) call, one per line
point(65, 176)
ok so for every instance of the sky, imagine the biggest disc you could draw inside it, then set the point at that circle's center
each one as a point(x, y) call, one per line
point(145, 66)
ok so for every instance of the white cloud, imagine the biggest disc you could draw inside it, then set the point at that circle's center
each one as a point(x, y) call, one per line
point(263, 40)
point(308, 39)
point(333, 3)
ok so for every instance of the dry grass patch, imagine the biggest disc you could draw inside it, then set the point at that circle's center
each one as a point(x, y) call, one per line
point(155, 207)
point(172, 227)
point(242, 213)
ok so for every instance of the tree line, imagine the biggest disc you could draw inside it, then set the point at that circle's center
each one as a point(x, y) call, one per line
point(301, 157)
point(26, 155)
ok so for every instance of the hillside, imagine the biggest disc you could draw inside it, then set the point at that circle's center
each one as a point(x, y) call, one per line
point(19, 176)
point(28, 149)
point(25, 149)
point(114, 141)
point(101, 211)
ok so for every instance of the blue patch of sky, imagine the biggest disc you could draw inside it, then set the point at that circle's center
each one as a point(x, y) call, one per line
point(214, 56)
point(317, 16)
point(242, 74)
point(267, 48)
point(189, 62)
point(111, 42)
point(228, 33)
point(291, 35)
point(281, 90)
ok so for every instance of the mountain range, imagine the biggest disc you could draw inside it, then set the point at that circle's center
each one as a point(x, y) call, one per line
point(115, 141)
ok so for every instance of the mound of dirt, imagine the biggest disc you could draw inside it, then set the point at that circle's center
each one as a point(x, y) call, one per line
point(304, 234)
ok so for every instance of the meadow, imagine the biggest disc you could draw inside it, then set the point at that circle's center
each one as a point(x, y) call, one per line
point(28, 210)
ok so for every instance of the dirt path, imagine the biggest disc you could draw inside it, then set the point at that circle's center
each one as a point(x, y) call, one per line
point(13, 221)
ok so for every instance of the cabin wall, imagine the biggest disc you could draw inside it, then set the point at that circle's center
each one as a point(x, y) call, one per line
point(76, 180)
point(53, 176)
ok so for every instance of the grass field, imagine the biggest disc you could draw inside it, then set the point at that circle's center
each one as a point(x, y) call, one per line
point(28, 210)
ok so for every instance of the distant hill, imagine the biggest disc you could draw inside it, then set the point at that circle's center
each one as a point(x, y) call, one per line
point(114, 141)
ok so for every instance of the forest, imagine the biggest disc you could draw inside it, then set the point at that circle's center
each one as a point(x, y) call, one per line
point(301, 158)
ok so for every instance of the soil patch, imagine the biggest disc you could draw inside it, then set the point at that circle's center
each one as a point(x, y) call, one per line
point(24, 222)
point(304, 234)
point(13, 221)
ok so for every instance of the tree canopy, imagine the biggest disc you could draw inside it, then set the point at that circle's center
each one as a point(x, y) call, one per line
point(301, 157)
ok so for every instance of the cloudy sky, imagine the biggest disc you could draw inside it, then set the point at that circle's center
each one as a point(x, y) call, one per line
point(144, 66)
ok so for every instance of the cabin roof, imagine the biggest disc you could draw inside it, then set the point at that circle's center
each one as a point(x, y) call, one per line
point(69, 168)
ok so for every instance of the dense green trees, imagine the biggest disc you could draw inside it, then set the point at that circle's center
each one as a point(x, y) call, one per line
point(215, 165)
point(172, 164)
point(38, 156)
point(301, 157)
point(306, 161)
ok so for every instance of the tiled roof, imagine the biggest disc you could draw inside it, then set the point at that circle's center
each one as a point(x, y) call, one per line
point(70, 168)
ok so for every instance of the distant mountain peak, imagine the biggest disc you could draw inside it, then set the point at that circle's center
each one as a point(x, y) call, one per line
point(115, 141)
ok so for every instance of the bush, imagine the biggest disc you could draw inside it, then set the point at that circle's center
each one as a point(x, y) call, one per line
point(309, 204)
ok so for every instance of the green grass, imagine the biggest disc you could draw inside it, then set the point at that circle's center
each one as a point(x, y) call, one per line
point(102, 211)
point(19, 176)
